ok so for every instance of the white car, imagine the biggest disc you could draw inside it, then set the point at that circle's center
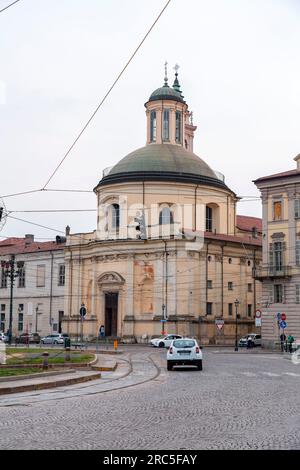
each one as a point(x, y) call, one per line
point(184, 352)
point(164, 341)
point(53, 339)
point(255, 338)
point(3, 337)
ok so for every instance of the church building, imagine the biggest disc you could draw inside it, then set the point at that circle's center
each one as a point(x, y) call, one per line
point(169, 253)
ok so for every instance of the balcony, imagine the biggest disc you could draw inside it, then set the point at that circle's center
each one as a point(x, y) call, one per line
point(272, 272)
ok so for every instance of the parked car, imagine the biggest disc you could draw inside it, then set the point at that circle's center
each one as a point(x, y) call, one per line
point(3, 337)
point(28, 338)
point(255, 338)
point(58, 338)
point(164, 341)
point(184, 351)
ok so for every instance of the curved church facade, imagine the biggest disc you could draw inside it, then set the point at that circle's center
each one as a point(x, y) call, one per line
point(169, 252)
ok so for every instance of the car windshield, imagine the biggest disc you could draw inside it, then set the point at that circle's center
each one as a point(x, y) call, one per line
point(183, 343)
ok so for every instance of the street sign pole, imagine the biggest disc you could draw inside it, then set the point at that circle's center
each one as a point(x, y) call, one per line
point(82, 313)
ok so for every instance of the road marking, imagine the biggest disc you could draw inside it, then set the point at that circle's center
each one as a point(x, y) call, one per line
point(270, 374)
point(292, 374)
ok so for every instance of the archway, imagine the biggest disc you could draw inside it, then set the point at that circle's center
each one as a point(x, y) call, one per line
point(111, 284)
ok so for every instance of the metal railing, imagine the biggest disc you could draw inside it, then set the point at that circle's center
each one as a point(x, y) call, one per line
point(272, 272)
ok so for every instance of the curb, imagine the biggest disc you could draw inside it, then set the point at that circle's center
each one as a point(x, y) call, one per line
point(33, 376)
point(105, 368)
point(43, 386)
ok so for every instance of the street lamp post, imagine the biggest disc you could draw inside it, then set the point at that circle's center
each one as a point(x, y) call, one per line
point(236, 303)
point(36, 318)
point(10, 272)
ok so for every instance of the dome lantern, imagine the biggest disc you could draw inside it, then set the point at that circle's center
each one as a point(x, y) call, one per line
point(168, 117)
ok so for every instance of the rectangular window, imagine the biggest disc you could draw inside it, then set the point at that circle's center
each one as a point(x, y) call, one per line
point(249, 310)
point(277, 210)
point(230, 309)
point(278, 293)
point(21, 277)
point(3, 279)
point(153, 126)
point(297, 208)
point(297, 293)
point(230, 285)
point(249, 287)
point(178, 127)
point(61, 275)
point(209, 285)
point(209, 308)
point(54, 326)
point(209, 219)
point(278, 256)
point(40, 275)
point(166, 125)
point(298, 252)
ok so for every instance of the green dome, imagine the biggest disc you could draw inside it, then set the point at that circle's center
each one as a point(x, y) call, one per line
point(166, 93)
point(162, 162)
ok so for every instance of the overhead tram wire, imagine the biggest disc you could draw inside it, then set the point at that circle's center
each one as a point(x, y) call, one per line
point(10, 5)
point(106, 95)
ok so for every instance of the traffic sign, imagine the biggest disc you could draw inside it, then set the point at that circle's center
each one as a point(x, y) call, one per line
point(258, 322)
point(283, 324)
point(219, 323)
point(82, 311)
point(258, 314)
point(283, 316)
point(278, 316)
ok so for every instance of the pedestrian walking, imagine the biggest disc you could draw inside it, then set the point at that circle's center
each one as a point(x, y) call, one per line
point(282, 341)
point(290, 341)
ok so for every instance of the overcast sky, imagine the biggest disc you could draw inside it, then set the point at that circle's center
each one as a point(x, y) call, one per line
point(239, 72)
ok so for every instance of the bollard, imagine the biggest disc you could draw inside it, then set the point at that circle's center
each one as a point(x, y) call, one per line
point(67, 354)
point(115, 344)
point(45, 360)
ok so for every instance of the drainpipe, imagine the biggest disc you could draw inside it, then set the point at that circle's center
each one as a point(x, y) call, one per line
point(222, 282)
point(51, 290)
point(254, 281)
point(195, 207)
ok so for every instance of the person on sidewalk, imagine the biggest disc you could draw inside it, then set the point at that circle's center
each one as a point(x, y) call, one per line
point(290, 341)
point(282, 341)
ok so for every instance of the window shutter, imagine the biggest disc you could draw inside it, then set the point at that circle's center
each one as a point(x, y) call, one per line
point(297, 208)
point(284, 294)
point(297, 293)
point(271, 294)
point(40, 276)
point(271, 255)
point(298, 252)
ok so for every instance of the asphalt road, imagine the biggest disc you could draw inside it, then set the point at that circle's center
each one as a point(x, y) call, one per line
point(239, 401)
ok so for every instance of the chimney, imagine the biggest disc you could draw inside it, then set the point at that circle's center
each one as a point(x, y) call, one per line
point(29, 239)
point(297, 159)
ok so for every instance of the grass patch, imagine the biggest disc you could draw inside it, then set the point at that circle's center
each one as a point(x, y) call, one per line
point(36, 351)
point(12, 372)
point(75, 358)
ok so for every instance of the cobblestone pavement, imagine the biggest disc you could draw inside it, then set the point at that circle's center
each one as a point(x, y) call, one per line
point(239, 401)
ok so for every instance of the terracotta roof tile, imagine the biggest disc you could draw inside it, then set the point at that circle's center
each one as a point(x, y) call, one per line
point(246, 223)
point(14, 245)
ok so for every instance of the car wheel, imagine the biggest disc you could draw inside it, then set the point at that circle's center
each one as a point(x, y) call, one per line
point(199, 365)
point(55, 342)
point(161, 345)
point(169, 365)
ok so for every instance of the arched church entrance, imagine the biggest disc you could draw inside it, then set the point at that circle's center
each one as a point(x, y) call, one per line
point(111, 313)
point(111, 286)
